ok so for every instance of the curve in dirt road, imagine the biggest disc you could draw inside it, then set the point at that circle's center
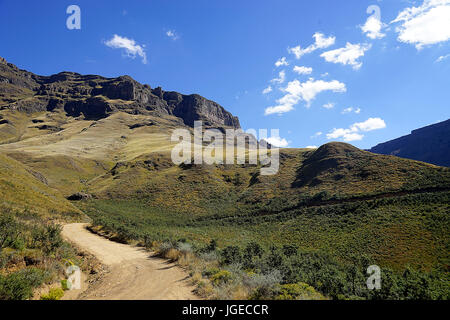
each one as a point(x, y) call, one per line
point(134, 274)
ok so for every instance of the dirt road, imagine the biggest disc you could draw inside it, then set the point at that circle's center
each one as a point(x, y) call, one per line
point(134, 274)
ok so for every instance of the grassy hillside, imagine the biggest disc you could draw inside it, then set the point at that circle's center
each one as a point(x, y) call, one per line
point(24, 189)
point(335, 171)
point(400, 234)
point(335, 204)
point(395, 232)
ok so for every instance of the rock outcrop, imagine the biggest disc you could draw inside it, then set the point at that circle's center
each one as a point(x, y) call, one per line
point(96, 97)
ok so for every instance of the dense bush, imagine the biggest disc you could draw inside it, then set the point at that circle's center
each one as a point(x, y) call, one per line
point(286, 268)
point(10, 231)
point(231, 255)
point(48, 238)
point(19, 285)
point(34, 249)
point(252, 253)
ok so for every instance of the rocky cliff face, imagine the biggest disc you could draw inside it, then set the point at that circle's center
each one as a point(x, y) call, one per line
point(96, 97)
point(429, 144)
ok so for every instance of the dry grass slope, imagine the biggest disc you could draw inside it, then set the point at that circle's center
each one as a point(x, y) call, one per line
point(24, 189)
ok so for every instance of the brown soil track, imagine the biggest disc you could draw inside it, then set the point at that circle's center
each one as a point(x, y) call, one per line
point(134, 273)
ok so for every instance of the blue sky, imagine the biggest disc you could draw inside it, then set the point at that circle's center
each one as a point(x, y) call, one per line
point(377, 85)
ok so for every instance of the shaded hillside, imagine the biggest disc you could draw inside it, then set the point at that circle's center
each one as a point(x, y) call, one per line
point(429, 144)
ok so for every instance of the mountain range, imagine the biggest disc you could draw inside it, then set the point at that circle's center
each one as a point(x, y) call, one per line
point(108, 140)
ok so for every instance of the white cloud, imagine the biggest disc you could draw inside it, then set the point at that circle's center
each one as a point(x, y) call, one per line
point(172, 35)
point(369, 125)
point(306, 91)
point(302, 70)
point(281, 77)
point(280, 109)
point(281, 62)
point(372, 28)
point(348, 55)
point(321, 42)
point(131, 48)
point(353, 133)
point(310, 89)
point(348, 110)
point(267, 90)
point(425, 25)
point(442, 58)
point(317, 134)
point(346, 135)
point(277, 142)
point(311, 147)
point(351, 109)
point(328, 105)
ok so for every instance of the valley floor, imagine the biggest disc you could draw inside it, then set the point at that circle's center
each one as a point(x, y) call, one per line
point(134, 274)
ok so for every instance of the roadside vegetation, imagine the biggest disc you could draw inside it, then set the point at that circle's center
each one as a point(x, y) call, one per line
point(32, 255)
point(311, 252)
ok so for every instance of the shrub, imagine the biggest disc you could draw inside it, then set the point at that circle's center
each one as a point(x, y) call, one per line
point(209, 256)
point(9, 230)
point(223, 276)
point(263, 286)
point(210, 271)
point(47, 238)
point(148, 241)
point(196, 278)
point(273, 260)
point(164, 248)
point(18, 244)
point(290, 250)
point(65, 284)
point(204, 289)
point(298, 291)
point(252, 252)
point(19, 285)
point(184, 247)
point(212, 245)
point(54, 294)
point(231, 254)
point(172, 254)
point(187, 259)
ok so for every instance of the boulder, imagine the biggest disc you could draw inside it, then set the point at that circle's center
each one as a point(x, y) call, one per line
point(79, 196)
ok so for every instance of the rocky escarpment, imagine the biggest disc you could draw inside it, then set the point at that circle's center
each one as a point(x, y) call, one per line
point(429, 144)
point(96, 97)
